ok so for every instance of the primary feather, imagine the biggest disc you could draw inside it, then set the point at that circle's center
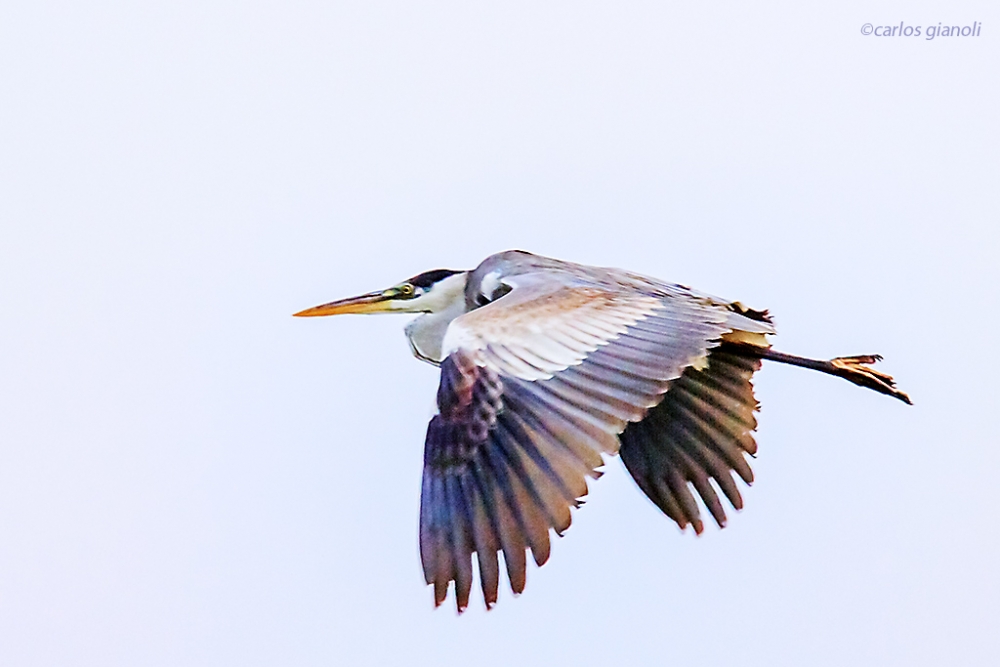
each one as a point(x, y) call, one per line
point(546, 367)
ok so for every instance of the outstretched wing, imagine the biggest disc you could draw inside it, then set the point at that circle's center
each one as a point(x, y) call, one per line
point(535, 388)
point(700, 432)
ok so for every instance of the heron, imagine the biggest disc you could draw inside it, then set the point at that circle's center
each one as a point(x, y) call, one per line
point(548, 366)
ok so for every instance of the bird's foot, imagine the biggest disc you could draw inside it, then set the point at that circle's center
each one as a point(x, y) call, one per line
point(856, 369)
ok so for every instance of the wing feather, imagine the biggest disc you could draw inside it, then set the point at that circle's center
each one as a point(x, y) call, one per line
point(483, 537)
point(701, 430)
point(568, 336)
point(602, 414)
point(676, 480)
point(537, 386)
point(562, 433)
point(461, 540)
point(545, 472)
point(600, 374)
point(654, 486)
point(511, 534)
point(488, 542)
point(608, 400)
point(578, 426)
point(445, 566)
point(524, 500)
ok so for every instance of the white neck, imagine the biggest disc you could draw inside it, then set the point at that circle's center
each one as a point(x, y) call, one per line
point(442, 304)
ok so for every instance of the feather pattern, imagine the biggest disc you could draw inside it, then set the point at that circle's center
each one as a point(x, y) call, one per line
point(703, 429)
point(542, 382)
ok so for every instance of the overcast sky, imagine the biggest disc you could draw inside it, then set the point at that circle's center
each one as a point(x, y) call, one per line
point(189, 476)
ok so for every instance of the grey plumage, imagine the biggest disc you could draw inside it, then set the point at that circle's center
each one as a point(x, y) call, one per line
point(548, 366)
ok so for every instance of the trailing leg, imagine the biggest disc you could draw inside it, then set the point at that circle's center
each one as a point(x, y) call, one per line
point(853, 369)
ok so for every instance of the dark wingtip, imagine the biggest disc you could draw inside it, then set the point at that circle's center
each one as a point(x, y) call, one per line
point(759, 315)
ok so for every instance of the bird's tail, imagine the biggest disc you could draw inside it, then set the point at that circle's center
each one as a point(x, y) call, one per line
point(853, 369)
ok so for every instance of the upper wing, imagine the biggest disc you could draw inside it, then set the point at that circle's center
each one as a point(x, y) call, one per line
point(536, 386)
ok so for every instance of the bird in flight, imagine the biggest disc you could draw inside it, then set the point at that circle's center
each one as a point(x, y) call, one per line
point(546, 366)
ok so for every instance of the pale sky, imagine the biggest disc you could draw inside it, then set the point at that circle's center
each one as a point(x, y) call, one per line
point(189, 476)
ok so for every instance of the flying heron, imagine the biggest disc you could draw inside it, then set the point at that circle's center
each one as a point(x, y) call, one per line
point(547, 365)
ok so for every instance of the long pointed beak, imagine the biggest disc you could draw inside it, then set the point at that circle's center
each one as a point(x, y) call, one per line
point(373, 302)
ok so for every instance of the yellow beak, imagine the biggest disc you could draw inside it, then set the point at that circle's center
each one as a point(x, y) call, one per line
point(373, 302)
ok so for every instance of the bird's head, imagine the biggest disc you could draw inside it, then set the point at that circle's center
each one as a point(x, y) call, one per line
point(428, 292)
